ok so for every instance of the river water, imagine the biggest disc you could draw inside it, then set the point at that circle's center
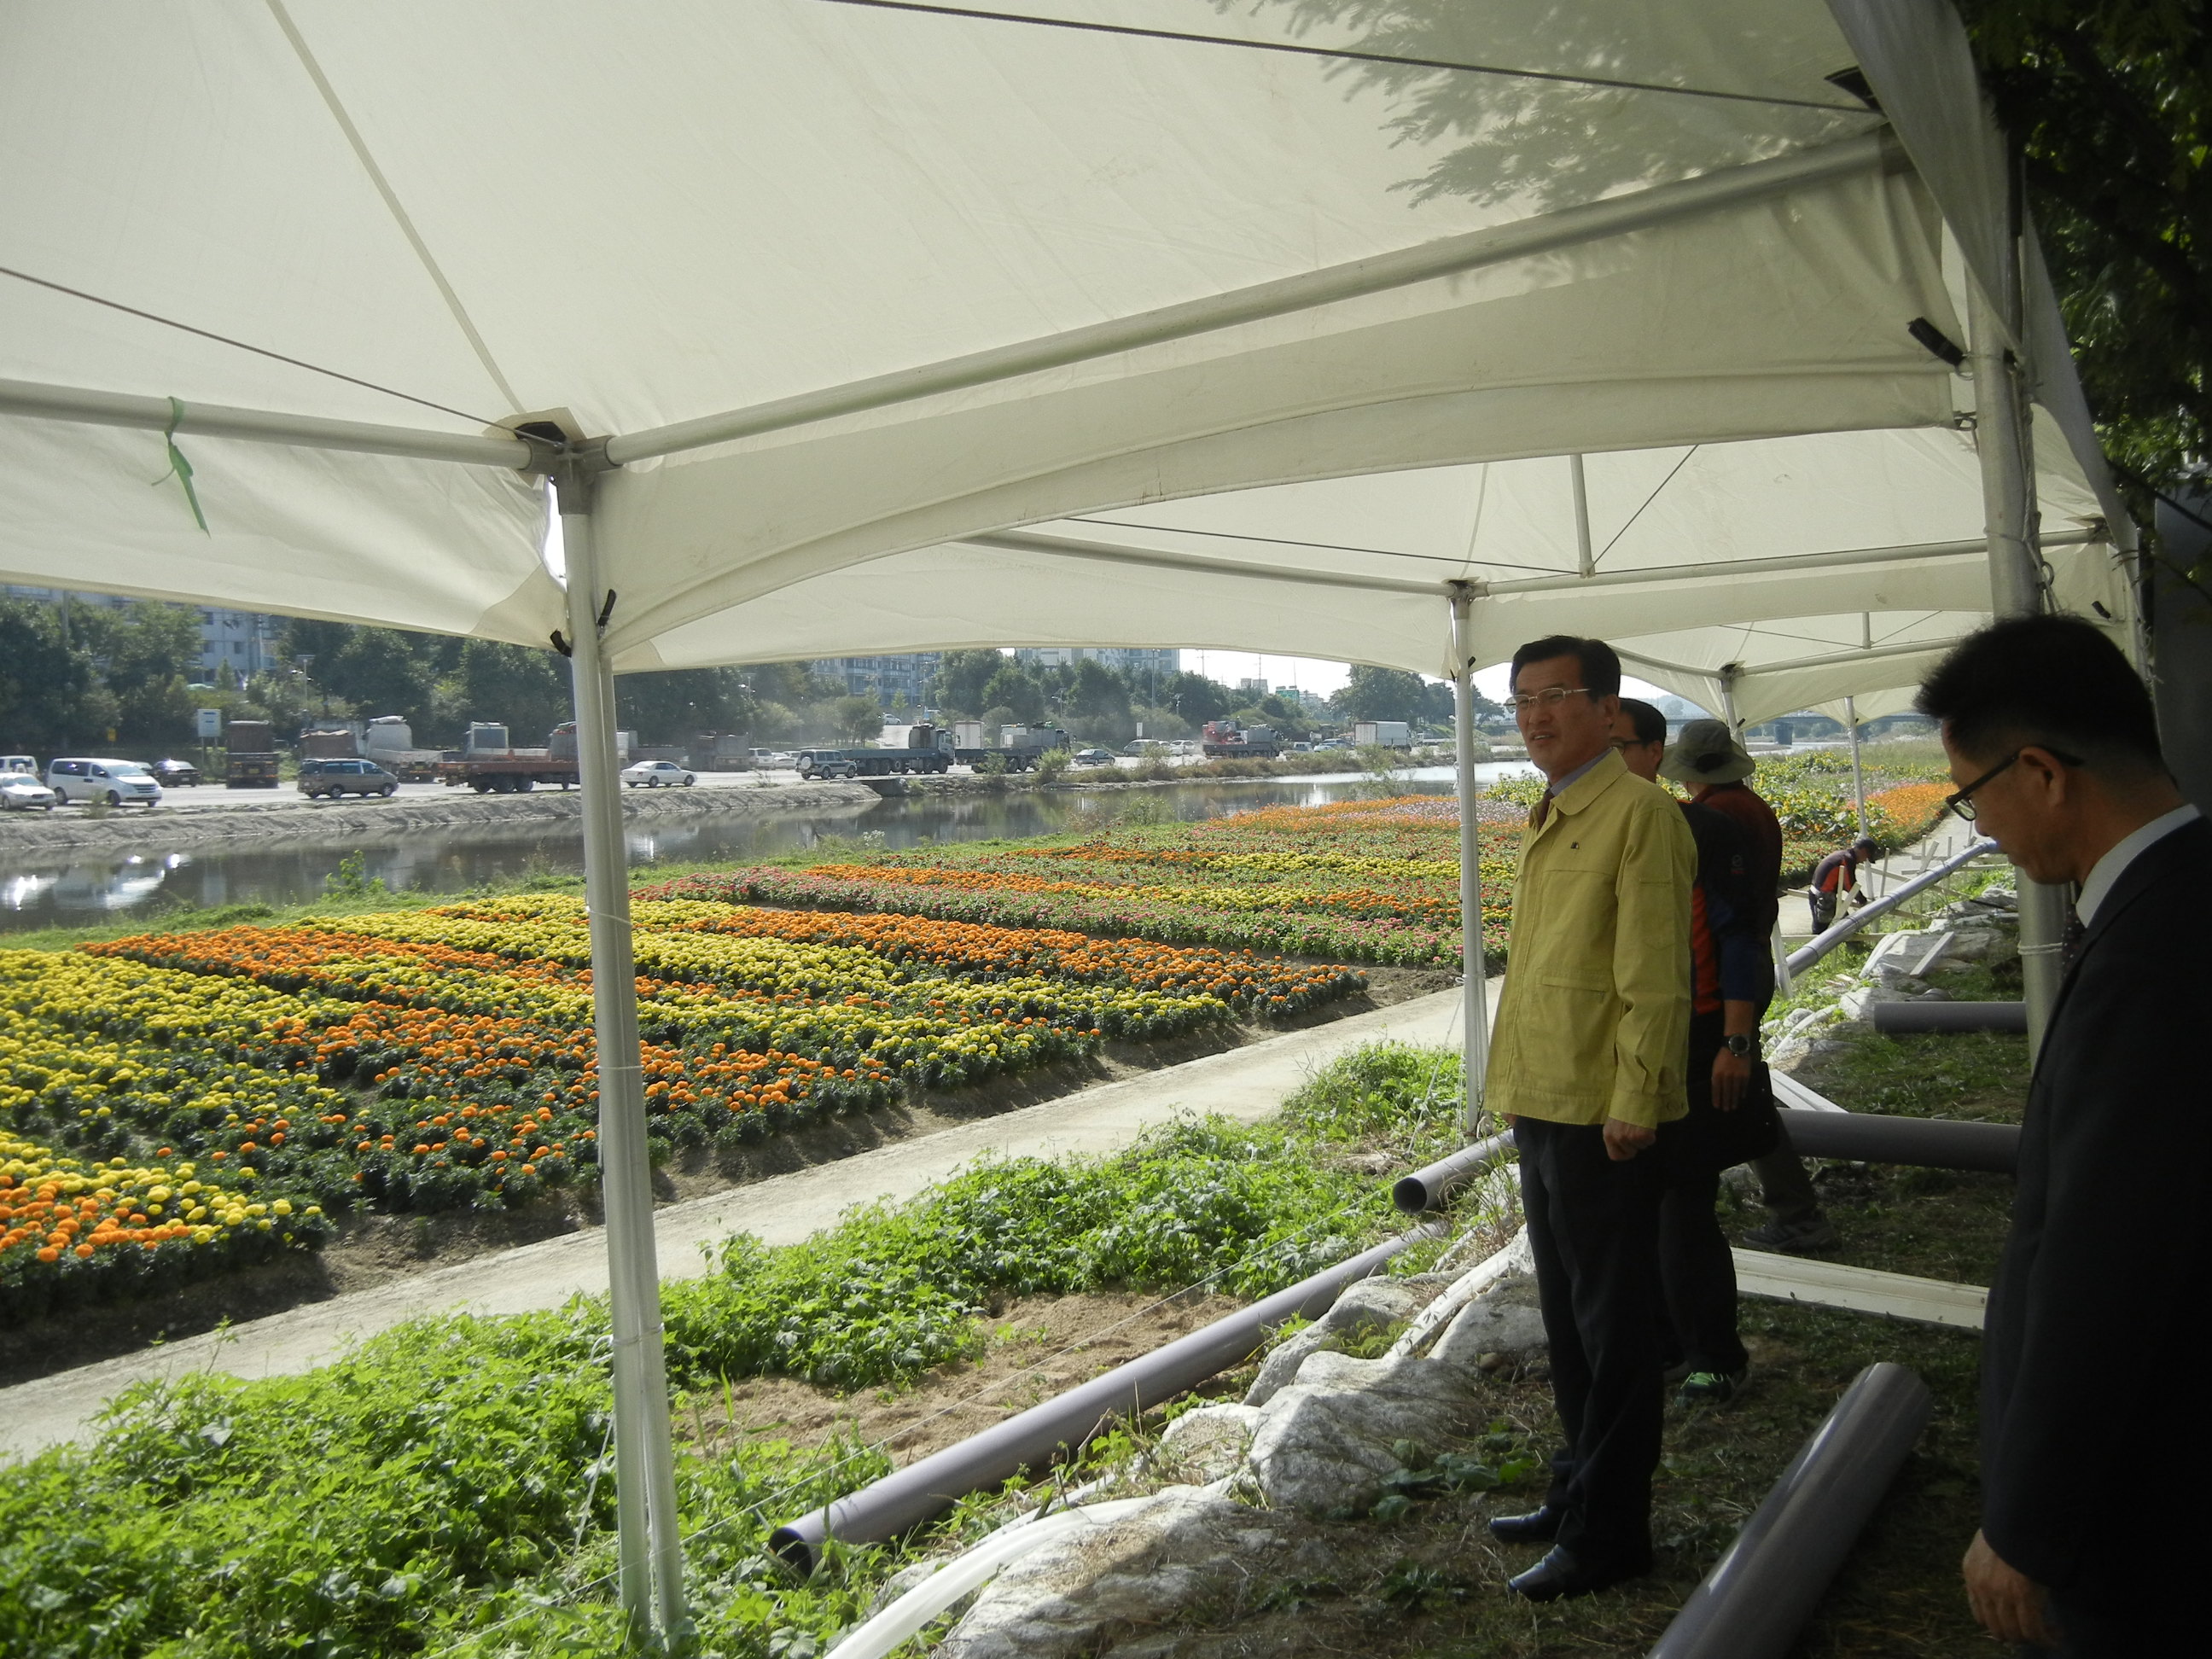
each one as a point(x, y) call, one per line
point(89, 886)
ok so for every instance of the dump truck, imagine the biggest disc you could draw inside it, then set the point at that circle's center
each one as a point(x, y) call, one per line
point(1225, 740)
point(488, 763)
point(330, 740)
point(249, 756)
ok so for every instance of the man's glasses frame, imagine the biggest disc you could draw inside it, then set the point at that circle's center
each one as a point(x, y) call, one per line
point(1962, 803)
point(1551, 697)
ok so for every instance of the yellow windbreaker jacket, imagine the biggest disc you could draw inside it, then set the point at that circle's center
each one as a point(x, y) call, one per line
point(1594, 1018)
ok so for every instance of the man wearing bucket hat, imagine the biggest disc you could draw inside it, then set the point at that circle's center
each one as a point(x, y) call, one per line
point(1707, 760)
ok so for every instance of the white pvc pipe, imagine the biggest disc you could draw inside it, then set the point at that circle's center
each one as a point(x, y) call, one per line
point(1858, 776)
point(1474, 1012)
point(650, 1557)
point(1780, 563)
point(971, 1571)
point(1618, 215)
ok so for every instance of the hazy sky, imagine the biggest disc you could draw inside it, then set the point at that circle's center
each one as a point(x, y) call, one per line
point(1311, 674)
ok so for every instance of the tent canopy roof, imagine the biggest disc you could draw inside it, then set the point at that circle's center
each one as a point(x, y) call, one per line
point(859, 295)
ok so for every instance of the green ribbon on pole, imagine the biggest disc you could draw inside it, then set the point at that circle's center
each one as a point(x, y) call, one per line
point(179, 468)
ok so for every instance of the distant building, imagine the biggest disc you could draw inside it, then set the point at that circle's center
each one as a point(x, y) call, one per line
point(1134, 663)
point(1254, 689)
point(244, 639)
point(894, 681)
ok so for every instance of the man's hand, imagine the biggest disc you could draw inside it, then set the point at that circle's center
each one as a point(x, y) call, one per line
point(2006, 1603)
point(1623, 1139)
point(1731, 1077)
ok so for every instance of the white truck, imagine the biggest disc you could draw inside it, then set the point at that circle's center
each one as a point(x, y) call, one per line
point(1382, 734)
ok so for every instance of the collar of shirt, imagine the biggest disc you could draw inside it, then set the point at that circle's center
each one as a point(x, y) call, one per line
point(1560, 786)
point(2114, 865)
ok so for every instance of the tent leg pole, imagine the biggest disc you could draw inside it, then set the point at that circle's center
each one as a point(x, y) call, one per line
point(650, 1563)
point(1858, 776)
point(1474, 1011)
point(2015, 589)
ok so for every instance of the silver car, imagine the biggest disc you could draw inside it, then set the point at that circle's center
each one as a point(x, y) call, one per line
point(20, 793)
point(114, 782)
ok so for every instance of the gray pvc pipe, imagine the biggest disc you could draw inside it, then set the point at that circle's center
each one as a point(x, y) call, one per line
point(1936, 1143)
point(1893, 1018)
point(904, 1499)
point(1426, 1189)
point(1758, 1596)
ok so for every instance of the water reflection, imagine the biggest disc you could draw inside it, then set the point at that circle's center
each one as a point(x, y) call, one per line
point(84, 887)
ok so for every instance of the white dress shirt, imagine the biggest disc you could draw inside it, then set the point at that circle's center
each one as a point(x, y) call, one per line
point(2111, 867)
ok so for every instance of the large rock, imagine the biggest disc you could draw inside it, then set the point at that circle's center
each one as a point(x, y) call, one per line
point(1502, 1327)
point(1191, 1549)
point(1326, 1444)
point(1206, 1445)
point(1371, 1306)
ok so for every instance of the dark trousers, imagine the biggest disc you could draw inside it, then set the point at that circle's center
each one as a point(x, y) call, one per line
point(2125, 1628)
point(1824, 909)
point(1786, 1185)
point(1593, 1225)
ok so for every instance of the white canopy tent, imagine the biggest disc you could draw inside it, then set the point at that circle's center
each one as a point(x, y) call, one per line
point(854, 327)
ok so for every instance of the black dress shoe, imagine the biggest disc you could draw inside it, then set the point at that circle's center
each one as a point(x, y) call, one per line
point(1537, 1527)
point(1562, 1573)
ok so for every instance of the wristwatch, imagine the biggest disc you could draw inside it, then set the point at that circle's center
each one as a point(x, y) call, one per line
point(1743, 1047)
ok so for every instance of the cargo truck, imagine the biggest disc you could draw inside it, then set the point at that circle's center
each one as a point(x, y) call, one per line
point(1224, 740)
point(249, 756)
point(488, 765)
point(1382, 734)
point(925, 749)
point(390, 742)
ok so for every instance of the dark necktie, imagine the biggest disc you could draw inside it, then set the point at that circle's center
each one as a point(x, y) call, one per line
point(2070, 941)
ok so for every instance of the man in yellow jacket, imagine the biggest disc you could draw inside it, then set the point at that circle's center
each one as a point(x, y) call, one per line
point(1587, 1060)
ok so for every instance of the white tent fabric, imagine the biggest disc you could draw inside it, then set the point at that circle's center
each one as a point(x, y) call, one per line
point(501, 209)
point(1685, 543)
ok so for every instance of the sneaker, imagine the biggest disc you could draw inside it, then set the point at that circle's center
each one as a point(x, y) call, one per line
point(1794, 1237)
point(1710, 1388)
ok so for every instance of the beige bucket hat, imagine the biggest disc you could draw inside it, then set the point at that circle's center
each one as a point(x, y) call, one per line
point(1706, 752)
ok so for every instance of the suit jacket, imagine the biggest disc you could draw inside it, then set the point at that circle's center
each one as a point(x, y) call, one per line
point(2097, 1355)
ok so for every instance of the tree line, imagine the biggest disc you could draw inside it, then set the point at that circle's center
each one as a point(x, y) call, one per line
point(129, 675)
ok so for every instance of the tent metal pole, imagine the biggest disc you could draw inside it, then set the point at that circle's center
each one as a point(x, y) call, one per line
point(1474, 1011)
point(1728, 675)
point(260, 426)
point(1711, 192)
point(1858, 774)
point(1585, 561)
point(1780, 562)
point(2015, 589)
point(650, 1554)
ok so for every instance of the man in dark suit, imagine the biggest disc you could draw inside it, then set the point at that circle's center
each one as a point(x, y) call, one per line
point(2096, 1465)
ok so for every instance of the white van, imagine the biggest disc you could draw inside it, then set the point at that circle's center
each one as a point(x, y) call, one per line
point(115, 781)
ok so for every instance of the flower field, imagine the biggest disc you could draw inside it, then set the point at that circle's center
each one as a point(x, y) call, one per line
point(200, 1098)
point(1362, 880)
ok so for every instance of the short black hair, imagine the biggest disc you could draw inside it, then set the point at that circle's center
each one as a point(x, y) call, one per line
point(1600, 668)
point(2055, 681)
point(1649, 723)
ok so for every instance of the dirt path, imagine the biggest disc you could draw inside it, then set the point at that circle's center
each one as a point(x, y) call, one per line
point(1246, 1083)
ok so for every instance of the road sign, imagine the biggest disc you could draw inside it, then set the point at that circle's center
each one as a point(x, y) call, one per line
point(210, 724)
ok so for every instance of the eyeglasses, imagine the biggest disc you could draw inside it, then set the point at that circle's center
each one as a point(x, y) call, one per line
point(1551, 697)
point(1963, 802)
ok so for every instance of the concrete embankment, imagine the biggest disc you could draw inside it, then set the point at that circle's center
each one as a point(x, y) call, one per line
point(286, 816)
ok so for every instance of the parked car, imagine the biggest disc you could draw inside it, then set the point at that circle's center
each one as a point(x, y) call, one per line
point(111, 781)
point(334, 778)
point(21, 793)
point(1093, 757)
point(18, 763)
point(656, 775)
point(172, 773)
